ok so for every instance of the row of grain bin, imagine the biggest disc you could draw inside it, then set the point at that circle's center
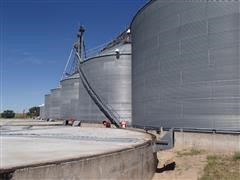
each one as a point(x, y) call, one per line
point(184, 71)
point(108, 73)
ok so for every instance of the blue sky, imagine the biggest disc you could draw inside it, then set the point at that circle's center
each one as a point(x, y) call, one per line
point(36, 38)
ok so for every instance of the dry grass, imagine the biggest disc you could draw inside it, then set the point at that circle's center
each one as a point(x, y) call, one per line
point(19, 116)
point(189, 164)
point(189, 152)
point(222, 167)
point(236, 156)
point(195, 164)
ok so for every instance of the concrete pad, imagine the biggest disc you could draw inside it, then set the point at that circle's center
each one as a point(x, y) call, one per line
point(28, 122)
point(30, 147)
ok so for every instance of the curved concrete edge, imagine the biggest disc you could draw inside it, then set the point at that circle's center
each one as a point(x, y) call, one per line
point(138, 163)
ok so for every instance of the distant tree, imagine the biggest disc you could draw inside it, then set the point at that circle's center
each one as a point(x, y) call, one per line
point(8, 114)
point(34, 111)
point(29, 114)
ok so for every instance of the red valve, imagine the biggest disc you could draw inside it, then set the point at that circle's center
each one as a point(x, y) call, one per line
point(123, 124)
point(106, 123)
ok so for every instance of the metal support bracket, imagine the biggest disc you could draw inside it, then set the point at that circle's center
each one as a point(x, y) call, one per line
point(164, 143)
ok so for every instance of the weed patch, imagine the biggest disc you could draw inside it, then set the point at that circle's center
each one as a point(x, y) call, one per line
point(222, 167)
point(236, 156)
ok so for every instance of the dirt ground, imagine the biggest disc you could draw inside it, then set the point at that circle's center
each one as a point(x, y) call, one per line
point(188, 165)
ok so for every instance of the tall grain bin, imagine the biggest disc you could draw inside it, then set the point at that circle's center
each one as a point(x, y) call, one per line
point(109, 74)
point(55, 103)
point(42, 111)
point(47, 106)
point(69, 97)
point(185, 65)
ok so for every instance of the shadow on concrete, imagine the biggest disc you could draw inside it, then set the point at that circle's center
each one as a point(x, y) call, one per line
point(6, 175)
point(169, 167)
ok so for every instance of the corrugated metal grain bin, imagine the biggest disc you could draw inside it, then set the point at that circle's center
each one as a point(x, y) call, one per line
point(47, 106)
point(42, 112)
point(185, 65)
point(69, 97)
point(110, 77)
point(55, 104)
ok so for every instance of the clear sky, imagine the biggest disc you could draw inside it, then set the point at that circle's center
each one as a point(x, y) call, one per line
point(36, 38)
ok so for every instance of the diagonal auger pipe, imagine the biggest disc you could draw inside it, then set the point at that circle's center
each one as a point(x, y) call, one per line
point(97, 100)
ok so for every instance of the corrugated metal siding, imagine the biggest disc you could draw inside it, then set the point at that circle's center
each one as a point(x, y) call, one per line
point(42, 112)
point(55, 103)
point(69, 96)
point(186, 64)
point(47, 105)
point(111, 80)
